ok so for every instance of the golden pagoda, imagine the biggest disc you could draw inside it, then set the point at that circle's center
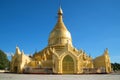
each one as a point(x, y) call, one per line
point(60, 56)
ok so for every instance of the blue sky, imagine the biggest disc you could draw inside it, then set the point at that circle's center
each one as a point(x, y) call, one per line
point(94, 25)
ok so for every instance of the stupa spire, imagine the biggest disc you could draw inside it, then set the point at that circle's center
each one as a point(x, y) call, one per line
point(60, 35)
point(60, 14)
point(17, 50)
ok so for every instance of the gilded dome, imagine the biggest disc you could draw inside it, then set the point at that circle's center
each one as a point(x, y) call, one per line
point(60, 34)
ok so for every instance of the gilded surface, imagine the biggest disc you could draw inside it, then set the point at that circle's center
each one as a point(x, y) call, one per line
point(60, 56)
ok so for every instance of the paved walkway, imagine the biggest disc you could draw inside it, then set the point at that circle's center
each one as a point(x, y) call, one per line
point(5, 76)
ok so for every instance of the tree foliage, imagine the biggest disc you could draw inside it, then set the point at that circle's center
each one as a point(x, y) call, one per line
point(115, 66)
point(4, 62)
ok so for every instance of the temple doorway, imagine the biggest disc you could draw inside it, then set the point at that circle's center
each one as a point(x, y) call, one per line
point(68, 65)
point(15, 69)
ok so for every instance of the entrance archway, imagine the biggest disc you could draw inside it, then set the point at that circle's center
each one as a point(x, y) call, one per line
point(15, 69)
point(68, 65)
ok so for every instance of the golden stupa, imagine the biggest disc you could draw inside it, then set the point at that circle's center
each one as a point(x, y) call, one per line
point(60, 56)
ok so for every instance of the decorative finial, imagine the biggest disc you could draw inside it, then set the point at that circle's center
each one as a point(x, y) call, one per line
point(60, 15)
point(60, 3)
point(17, 50)
point(60, 12)
point(106, 50)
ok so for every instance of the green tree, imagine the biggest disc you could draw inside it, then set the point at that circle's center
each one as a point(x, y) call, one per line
point(4, 62)
point(116, 66)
